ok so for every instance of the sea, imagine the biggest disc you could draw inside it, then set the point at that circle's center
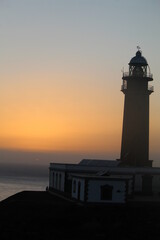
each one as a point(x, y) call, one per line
point(17, 179)
point(12, 185)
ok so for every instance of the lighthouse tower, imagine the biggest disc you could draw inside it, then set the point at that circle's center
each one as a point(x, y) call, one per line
point(135, 133)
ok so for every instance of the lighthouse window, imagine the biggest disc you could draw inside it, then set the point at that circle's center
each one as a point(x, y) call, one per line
point(106, 192)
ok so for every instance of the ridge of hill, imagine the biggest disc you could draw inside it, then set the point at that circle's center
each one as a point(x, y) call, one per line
point(40, 215)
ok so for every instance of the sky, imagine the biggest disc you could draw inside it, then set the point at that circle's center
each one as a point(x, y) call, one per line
point(61, 68)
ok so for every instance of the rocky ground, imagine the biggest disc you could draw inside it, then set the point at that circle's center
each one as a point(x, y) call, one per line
point(40, 215)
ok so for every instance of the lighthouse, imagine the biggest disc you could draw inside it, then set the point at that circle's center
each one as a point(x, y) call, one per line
point(135, 132)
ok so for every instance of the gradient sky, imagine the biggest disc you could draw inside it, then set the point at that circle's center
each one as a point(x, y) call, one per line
point(60, 73)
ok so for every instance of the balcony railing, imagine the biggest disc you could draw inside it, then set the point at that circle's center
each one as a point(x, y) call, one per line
point(150, 88)
point(127, 74)
point(124, 87)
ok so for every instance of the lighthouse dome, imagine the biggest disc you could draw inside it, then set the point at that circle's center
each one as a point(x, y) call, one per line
point(138, 60)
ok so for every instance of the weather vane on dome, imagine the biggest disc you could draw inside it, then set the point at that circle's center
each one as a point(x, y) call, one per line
point(138, 47)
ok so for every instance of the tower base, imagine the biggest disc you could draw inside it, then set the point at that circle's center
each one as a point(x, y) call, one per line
point(131, 163)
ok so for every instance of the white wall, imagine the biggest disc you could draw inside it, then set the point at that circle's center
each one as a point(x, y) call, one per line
point(94, 191)
point(56, 182)
point(50, 178)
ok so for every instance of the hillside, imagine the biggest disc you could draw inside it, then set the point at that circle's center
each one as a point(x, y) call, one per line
point(39, 215)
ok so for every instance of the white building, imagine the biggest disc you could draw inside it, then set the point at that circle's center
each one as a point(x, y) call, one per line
point(103, 181)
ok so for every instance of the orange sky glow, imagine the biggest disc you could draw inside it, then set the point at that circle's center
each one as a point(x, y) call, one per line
point(67, 116)
point(60, 73)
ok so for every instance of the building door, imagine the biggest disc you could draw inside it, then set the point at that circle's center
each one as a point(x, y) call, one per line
point(79, 190)
point(147, 184)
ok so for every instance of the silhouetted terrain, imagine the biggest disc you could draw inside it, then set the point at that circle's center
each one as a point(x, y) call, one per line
point(39, 215)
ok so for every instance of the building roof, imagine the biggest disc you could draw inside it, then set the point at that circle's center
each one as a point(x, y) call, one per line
point(138, 60)
point(99, 163)
point(111, 177)
point(103, 167)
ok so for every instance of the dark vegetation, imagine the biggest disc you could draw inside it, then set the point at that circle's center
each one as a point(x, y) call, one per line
point(40, 215)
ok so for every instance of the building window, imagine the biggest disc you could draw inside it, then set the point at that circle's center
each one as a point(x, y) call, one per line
point(106, 192)
point(60, 177)
point(53, 179)
point(56, 180)
point(74, 186)
point(79, 190)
